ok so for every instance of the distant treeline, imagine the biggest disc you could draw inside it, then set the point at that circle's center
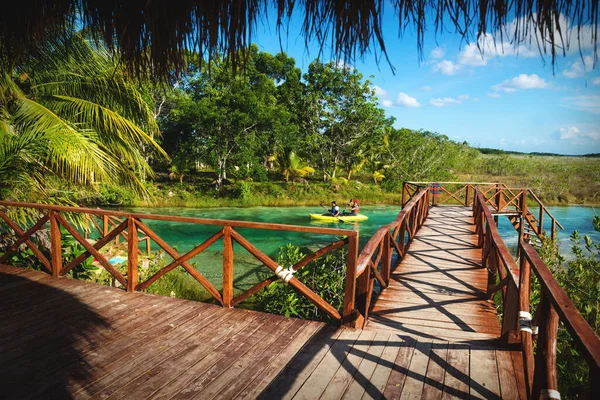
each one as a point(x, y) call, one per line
point(487, 150)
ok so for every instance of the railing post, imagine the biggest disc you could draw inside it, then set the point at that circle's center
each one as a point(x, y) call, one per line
point(404, 193)
point(526, 334)
point(553, 229)
point(386, 258)
point(132, 255)
point(492, 266)
point(349, 311)
point(545, 380)
point(105, 225)
point(498, 202)
point(55, 245)
point(541, 221)
point(227, 267)
point(524, 211)
point(468, 196)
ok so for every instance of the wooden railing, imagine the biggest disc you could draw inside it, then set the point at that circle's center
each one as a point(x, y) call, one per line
point(131, 226)
point(517, 204)
point(106, 224)
point(375, 260)
point(518, 325)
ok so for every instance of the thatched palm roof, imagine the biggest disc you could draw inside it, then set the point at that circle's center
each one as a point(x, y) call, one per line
point(156, 33)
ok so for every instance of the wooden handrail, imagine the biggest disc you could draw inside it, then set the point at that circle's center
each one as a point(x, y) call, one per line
point(582, 333)
point(502, 197)
point(505, 256)
point(517, 323)
point(115, 223)
point(192, 220)
point(380, 245)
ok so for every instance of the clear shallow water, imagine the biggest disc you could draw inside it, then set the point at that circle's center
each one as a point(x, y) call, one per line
point(248, 270)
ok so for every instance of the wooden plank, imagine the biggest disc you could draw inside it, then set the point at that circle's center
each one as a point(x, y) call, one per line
point(457, 372)
point(507, 376)
point(181, 342)
point(362, 378)
point(384, 368)
point(518, 366)
point(484, 373)
point(413, 387)
point(245, 370)
point(457, 325)
point(288, 356)
point(436, 369)
point(291, 379)
point(349, 367)
point(114, 343)
point(316, 384)
point(400, 370)
point(176, 374)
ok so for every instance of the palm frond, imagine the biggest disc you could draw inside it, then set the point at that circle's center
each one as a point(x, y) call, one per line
point(70, 152)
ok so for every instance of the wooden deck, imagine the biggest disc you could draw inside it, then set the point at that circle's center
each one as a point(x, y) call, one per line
point(430, 335)
point(439, 290)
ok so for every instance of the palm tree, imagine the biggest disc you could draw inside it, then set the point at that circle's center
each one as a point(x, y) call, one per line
point(69, 112)
point(293, 166)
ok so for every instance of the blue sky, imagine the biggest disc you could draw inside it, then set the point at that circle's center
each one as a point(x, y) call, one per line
point(501, 100)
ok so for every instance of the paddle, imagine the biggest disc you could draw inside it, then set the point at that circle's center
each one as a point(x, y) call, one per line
point(329, 211)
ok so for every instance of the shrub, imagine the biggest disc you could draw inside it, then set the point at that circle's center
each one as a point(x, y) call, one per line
point(324, 276)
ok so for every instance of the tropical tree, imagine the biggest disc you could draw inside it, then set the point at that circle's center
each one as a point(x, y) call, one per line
point(69, 113)
point(341, 113)
point(294, 167)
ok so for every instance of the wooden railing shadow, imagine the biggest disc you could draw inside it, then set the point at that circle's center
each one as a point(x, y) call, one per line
point(297, 367)
point(66, 326)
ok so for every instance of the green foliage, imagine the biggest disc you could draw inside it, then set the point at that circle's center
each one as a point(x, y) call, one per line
point(69, 112)
point(242, 190)
point(580, 278)
point(324, 276)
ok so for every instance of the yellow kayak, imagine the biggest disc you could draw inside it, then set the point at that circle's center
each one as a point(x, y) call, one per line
point(342, 218)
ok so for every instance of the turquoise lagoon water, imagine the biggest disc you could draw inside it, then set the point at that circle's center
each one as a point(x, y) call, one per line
point(248, 270)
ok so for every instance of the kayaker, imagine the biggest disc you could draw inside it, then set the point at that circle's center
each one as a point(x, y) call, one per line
point(335, 209)
point(354, 207)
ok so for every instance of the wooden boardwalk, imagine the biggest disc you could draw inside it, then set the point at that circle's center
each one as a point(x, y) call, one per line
point(439, 290)
point(430, 335)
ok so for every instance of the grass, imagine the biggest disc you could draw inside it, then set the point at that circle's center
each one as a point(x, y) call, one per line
point(556, 180)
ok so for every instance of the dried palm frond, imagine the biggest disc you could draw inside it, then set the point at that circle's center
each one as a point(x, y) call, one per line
point(155, 36)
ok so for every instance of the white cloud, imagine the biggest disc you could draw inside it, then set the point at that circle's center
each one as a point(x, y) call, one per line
point(577, 134)
point(407, 101)
point(379, 91)
point(584, 103)
point(579, 68)
point(344, 65)
point(429, 88)
point(441, 102)
point(386, 103)
point(493, 95)
point(446, 67)
point(503, 43)
point(470, 55)
point(522, 81)
point(596, 81)
point(437, 53)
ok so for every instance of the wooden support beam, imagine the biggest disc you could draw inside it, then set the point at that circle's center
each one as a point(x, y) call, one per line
point(227, 267)
point(55, 244)
point(132, 255)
